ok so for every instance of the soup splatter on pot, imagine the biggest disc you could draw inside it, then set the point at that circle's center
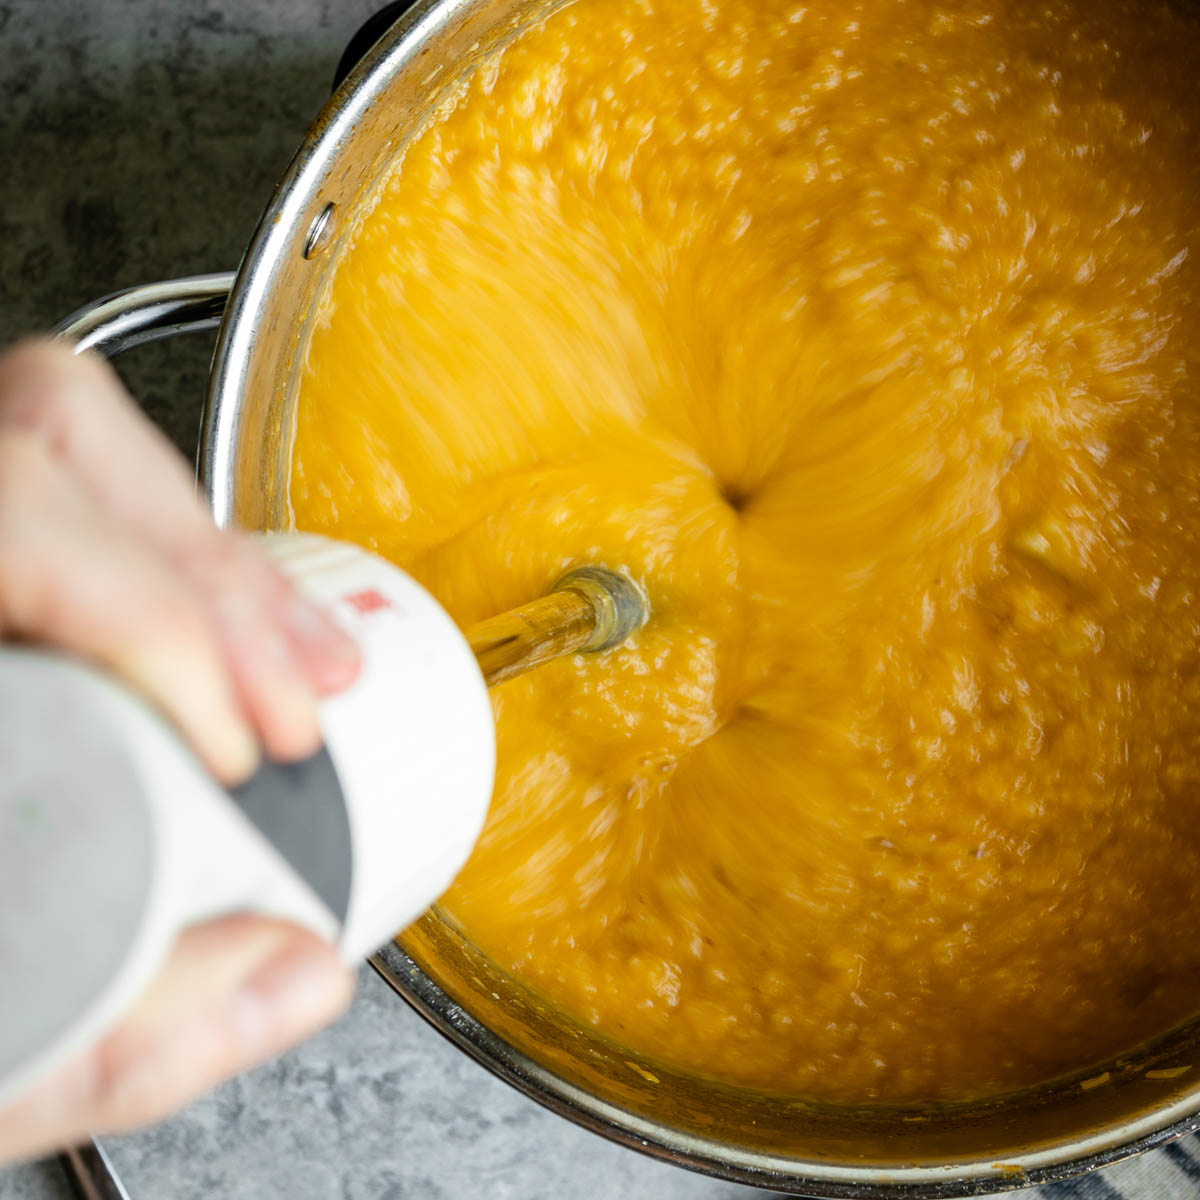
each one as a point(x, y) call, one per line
point(864, 336)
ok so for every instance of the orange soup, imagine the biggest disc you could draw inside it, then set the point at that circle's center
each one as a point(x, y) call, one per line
point(863, 335)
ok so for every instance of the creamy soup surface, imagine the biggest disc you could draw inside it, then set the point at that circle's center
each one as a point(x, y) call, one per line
point(864, 336)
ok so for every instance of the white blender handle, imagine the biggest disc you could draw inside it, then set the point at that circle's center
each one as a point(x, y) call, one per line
point(113, 838)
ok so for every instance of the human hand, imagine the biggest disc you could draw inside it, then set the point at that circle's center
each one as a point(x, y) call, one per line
point(106, 552)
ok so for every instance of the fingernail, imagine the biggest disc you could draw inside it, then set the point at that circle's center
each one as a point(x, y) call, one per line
point(292, 729)
point(293, 994)
point(321, 632)
point(331, 655)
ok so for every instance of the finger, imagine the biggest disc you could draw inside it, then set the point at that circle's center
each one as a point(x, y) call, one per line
point(329, 655)
point(274, 688)
point(77, 405)
point(233, 993)
point(280, 648)
point(71, 577)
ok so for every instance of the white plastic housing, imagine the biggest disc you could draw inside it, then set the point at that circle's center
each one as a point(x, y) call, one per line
point(113, 838)
point(413, 739)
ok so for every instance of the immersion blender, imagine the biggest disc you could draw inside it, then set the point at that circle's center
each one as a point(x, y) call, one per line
point(113, 836)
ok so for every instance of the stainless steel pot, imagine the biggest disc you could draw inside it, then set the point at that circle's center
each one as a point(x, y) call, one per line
point(263, 313)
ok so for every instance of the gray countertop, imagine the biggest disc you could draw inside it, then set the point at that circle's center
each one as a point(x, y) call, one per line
point(139, 140)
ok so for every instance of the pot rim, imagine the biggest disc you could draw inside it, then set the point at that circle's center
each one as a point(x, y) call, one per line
point(294, 198)
point(707, 1156)
point(298, 194)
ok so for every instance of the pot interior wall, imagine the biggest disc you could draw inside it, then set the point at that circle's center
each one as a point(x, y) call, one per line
point(245, 461)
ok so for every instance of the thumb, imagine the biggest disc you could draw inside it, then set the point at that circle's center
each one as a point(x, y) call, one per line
point(233, 993)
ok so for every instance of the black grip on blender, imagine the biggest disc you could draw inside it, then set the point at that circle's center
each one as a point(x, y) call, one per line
point(300, 809)
point(372, 29)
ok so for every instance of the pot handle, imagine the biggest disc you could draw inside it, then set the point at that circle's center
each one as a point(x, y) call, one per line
point(137, 315)
point(372, 29)
point(195, 303)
